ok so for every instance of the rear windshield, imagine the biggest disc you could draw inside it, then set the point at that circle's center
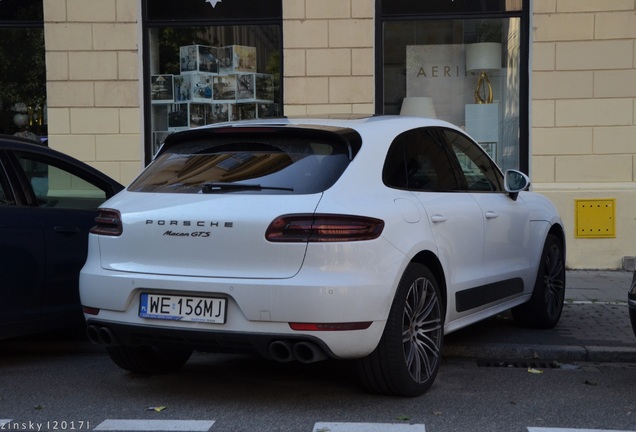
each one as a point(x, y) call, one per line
point(244, 164)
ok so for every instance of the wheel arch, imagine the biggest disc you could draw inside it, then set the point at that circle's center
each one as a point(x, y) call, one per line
point(430, 260)
point(557, 230)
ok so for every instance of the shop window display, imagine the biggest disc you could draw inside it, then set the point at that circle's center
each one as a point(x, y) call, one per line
point(211, 73)
point(468, 71)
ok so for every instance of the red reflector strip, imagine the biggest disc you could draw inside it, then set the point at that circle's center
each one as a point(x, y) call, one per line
point(330, 326)
point(91, 310)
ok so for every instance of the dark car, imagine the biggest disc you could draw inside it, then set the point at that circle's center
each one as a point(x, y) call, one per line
point(631, 299)
point(48, 202)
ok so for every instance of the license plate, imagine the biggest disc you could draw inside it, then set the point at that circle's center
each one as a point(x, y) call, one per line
point(180, 308)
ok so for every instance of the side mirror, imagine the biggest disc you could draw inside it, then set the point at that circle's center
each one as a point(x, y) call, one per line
point(514, 182)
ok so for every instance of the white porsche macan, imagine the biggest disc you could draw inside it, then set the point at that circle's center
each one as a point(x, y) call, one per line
point(306, 239)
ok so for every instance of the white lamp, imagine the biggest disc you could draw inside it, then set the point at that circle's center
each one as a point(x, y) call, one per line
point(418, 107)
point(482, 57)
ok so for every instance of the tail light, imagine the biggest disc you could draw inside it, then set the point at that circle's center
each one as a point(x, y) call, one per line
point(323, 228)
point(108, 223)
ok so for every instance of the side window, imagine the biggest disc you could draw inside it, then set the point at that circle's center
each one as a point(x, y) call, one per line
point(418, 161)
point(480, 172)
point(57, 187)
point(6, 198)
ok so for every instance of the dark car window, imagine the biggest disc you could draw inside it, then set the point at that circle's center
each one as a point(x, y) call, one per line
point(298, 165)
point(55, 186)
point(6, 197)
point(418, 161)
point(480, 172)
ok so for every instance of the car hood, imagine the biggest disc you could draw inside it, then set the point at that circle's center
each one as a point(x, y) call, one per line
point(215, 235)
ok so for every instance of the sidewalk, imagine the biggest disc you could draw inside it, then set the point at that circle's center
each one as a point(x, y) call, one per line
point(594, 327)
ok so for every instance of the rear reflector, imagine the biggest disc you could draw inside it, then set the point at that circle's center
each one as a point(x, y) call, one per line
point(90, 310)
point(330, 326)
point(108, 223)
point(323, 228)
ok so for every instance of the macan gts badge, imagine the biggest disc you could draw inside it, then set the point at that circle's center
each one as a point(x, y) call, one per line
point(188, 224)
point(363, 240)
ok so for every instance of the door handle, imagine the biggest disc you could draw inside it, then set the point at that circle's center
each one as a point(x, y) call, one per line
point(436, 218)
point(491, 215)
point(66, 229)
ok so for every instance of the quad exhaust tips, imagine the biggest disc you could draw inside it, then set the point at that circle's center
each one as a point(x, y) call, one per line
point(304, 352)
point(102, 336)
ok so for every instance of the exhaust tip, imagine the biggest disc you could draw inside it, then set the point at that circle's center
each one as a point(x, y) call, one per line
point(92, 333)
point(281, 351)
point(307, 352)
point(107, 337)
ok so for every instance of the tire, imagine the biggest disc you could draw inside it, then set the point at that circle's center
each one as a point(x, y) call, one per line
point(149, 360)
point(408, 356)
point(545, 306)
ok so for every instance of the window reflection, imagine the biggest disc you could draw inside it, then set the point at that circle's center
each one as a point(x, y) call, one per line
point(210, 74)
point(465, 71)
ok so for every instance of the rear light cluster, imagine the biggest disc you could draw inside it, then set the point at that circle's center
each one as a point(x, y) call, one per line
point(108, 223)
point(323, 228)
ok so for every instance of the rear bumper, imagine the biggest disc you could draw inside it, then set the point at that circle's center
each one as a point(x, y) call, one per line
point(201, 340)
point(335, 344)
point(259, 311)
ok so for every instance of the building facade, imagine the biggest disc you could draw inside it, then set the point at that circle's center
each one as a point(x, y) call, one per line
point(563, 84)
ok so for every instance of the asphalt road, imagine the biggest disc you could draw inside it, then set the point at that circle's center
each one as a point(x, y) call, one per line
point(45, 381)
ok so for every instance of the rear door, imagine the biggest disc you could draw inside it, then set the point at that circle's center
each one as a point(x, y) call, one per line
point(22, 259)
point(66, 200)
point(454, 216)
point(506, 221)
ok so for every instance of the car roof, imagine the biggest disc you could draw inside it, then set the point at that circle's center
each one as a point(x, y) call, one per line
point(19, 142)
point(357, 122)
point(341, 124)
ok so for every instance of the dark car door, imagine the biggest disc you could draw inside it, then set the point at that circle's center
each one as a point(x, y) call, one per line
point(22, 259)
point(47, 205)
point(67, 198)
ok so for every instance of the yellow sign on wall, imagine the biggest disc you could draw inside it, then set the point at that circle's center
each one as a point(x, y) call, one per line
point(595, 218)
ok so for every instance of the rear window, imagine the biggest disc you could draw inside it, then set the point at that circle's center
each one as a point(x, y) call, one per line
point(247, 163)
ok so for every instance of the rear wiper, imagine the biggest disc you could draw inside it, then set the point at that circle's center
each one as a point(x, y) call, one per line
point(231, 187)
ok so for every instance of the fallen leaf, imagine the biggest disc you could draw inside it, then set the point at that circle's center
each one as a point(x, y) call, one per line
point(156, 408)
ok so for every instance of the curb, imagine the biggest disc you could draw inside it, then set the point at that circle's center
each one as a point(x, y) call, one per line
point(559, 353)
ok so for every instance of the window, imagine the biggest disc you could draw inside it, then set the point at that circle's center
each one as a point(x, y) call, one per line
point(57, 187)
point(282, 162)
point(418, 161)
point(478, 170)
point(5, 190)
point(208, 62)
point(463, 62)
point(22, 69)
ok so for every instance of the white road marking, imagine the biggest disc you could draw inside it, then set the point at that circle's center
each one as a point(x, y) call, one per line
point(155, 425)
point(368, 427)
point(4, 421)
point(542, 429)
